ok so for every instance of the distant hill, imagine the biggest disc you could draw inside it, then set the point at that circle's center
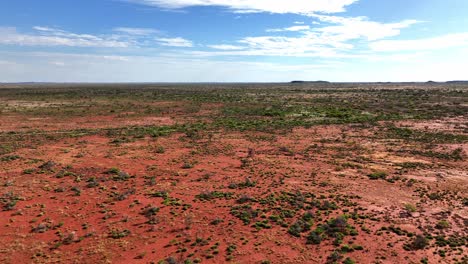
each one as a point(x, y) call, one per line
point(458, 82)
point(312, 82)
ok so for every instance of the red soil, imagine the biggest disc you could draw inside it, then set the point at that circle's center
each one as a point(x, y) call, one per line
point(323, 160)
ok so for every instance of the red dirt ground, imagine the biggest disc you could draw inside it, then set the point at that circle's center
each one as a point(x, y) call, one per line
point(333, 161)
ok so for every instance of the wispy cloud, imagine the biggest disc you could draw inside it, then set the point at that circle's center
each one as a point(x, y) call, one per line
point(35, 66)
point(435, 43)
point(121, 37)
point(309, 44)
point(46, 29)
point(136, 31)
point(175, 42)
point(45, 36)
point(336, 38)
point(58, 56)
point(357, 27)
point(256, 6)
point(58, 63)
point(91, 68)
point(226, 47)
point(293, 29)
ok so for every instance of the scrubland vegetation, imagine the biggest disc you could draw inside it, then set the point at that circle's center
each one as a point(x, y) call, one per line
point(238, 173)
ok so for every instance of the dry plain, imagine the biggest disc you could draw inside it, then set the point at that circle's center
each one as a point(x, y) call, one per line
point(234, 173)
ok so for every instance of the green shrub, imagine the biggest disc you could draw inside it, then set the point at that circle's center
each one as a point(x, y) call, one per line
point(377, 175)
point(28, 171)
point(9, 158)
point(208, 196)
point(442, 224)
point(299, 227)
point(334, 257)
point(117, 234)
point(245, 213)
point(349, 261)
point(314, 238)
point(262, 225)
point(410, 208)
point(418, 243)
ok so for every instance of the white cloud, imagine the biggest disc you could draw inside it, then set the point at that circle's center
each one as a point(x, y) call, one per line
point(92, 68)
point(226, 47)
point(35, 66)
point(136, 31)
point(46, 29)
point(309, 44)
point(293, 28)
point(279, 47)
point(436, 43)
point(361, 27)
point(58, 63)
point(337, 39)
point(255, 6)
point(64, 56)
point(45, 36)
point(126, 38)
point(175, 42)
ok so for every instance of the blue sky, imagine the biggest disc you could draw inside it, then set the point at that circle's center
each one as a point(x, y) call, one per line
point(233, 40)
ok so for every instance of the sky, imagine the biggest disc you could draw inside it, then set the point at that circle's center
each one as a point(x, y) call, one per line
point(233, 40)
